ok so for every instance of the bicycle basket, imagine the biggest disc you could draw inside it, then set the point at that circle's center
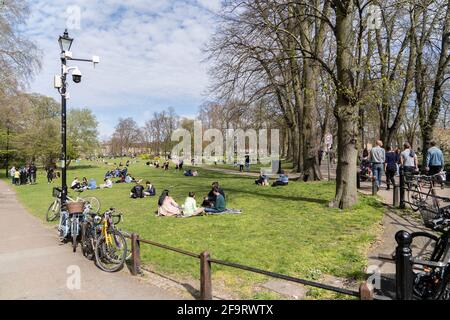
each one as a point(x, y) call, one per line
point(75, 207)
point(56, 192)
point(428, 216)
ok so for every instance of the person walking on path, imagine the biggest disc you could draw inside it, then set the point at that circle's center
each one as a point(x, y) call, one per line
point(247, 163)
point(390, 167)
point(408, 159)
point(377, 158)
point(435, 160)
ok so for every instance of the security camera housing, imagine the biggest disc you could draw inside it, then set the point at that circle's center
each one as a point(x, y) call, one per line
point(76, 75)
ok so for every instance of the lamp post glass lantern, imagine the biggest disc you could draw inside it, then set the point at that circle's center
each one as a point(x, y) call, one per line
point(65, 42)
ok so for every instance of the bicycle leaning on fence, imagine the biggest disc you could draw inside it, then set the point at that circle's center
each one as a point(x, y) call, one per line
point(102, 240)
point(54, 210)
point(421, 192)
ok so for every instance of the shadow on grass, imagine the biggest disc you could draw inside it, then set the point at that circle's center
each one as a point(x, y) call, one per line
point(280, 197)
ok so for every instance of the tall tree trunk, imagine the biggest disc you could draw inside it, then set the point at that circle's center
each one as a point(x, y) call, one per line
point(346, 110)
point(427, 124)
point(311, 169)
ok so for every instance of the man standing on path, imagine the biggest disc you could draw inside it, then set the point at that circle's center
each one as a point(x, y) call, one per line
point(377, 158)
point(435, 160)
point(408, 159)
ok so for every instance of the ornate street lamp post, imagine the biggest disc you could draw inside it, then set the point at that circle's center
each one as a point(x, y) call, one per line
point(65, 43)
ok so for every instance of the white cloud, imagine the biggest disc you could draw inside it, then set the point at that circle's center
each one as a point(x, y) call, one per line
point(151, 53)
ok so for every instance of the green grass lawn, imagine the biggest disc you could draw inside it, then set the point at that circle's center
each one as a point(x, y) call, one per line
point(289, 229)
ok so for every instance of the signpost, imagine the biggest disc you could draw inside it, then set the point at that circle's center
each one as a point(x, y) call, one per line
point(329, 143)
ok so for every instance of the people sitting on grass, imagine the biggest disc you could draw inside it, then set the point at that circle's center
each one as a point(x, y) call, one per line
point(263, 180)
point(76, 184)
point(121, 179)
point(128, 178)
point(190, 206)
point(92, 185)
point(167, 207)
point(109, 174)
point(150, 190)
point(282, 180)
point(210, 200)
point(219, 204)
point(84, 183)
point(107, 184)
point(190, 173)
point(137, 191)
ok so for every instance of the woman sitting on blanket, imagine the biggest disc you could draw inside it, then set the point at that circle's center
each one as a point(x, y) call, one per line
point(167, 207)
point(190, 206)
point(219, 204)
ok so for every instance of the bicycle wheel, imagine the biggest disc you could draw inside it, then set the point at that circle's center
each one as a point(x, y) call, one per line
point(415, 198)
point(53, 211)
point(110, 255)
point(94, 203)
point(87, 238)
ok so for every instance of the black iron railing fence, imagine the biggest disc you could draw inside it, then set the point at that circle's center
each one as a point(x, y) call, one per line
point(365, 291)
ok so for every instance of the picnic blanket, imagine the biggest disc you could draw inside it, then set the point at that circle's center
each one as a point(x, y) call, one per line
point(227, 211)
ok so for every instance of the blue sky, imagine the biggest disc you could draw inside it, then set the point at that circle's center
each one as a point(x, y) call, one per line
point(150, 51)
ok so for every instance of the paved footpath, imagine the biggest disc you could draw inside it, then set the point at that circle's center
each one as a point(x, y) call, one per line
point(35, 265)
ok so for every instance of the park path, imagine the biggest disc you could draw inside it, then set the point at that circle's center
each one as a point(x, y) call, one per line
point(34, 264)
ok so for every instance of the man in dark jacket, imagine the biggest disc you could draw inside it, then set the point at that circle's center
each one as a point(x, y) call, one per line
point(210, 200)
point(137, 191)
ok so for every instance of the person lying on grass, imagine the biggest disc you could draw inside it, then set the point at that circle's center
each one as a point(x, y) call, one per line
point(167, 207)
point(137, 191)
point(210, 200)
point(219, 204)
point(150, 190)
point(190, 206)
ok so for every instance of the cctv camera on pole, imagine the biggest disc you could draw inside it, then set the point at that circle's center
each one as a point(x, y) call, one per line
point(65, 43)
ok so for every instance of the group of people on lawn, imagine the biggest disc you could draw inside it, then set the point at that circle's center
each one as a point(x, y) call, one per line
point(213, 203)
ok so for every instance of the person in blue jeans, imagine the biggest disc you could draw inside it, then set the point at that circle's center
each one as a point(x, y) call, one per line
point(378, 158)
point(219, 205)
point(435, 159)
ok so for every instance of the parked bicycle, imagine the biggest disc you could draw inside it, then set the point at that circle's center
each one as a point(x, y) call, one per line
point(102, 240)
point(433, 281)
point(421, 192)
point(53, 211)
point(70, 222)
